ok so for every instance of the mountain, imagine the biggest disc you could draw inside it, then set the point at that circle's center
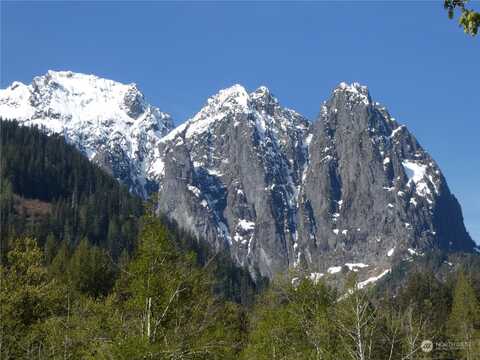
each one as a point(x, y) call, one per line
point(351, 191)
point(231, 174)
point(384, 199)
point(111, 123)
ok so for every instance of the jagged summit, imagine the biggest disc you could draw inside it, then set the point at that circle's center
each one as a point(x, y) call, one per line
point(263, 92)
point(262, 89)
point(78, 97)
point(353, 87)
point(280, 192)
point(264, 100)
point(354, 91)
point(235, 94)
point(109, 121)
point(237, 98)
point(226, 105)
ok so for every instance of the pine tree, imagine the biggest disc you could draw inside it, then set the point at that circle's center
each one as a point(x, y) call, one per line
point(90, 270)
point(59, 265)
point(50, 249)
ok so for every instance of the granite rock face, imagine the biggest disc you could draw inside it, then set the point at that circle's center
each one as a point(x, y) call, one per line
point(231, 173)
point(351, 188)
point(371, 192)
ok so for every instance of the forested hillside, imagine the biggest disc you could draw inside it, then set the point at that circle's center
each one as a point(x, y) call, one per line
point(52, 192)
point(88, 271)
point(162, 306)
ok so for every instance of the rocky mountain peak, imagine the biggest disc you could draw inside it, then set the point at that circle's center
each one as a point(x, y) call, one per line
point(353, 93)
point(233, 98)
point(134, 101)
point(353, 187)
point(109, 121)
point(261, 91)
point(234, 105)
point(264, 100)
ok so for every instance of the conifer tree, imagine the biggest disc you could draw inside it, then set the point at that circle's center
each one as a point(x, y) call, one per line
point(28, 296)
point(50, 248)
point(90, 270)
point(59, 265)
point(464, 320)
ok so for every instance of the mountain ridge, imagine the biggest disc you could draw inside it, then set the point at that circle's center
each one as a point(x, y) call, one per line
point(280, 192)
point(110, 122)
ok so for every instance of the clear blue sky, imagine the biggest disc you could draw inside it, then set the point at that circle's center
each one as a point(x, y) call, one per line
point(414, 60)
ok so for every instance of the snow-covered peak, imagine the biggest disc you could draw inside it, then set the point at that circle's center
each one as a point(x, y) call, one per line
point(262, 89)
point(15, 102)
point(263, 93)
point(264, 100)
point(260, 106)
point(59, 97)
point(232, 100)
point(235, 97)
point(354, 91)
point(77, 82)
point(354, 87)
point(82, 97)
point(227, 101)
point(109, 121)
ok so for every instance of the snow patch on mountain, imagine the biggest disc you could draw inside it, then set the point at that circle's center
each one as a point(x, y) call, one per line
point(417, 174)
point(373, 279)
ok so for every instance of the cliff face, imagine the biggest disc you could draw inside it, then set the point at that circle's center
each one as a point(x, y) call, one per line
point(381, 194)
point(353, 187)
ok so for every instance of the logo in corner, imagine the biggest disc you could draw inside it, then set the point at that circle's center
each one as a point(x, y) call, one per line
point(426, 346)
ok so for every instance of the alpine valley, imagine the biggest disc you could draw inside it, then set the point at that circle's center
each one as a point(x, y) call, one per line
point(352, 190)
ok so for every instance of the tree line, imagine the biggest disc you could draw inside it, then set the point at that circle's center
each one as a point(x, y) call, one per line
point(160, 303)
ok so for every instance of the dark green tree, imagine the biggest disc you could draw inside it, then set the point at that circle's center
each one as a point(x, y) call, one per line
point(91, 270)
point(50, 248)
